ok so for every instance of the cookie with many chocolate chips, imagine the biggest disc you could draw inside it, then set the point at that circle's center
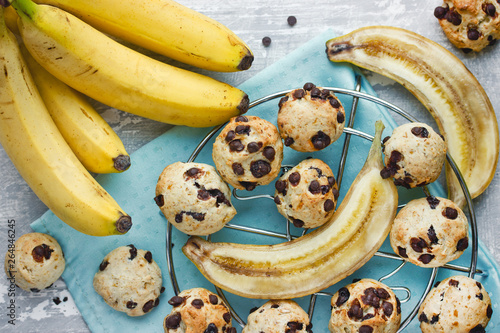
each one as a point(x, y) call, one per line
point(470, 25)
point(310, 118)
point(365, 306)
point(278, 316)
point(198, 310)
point(248, 152)
point(457, 304)
point(129, 280)
point(430, 232)
point(194, 198)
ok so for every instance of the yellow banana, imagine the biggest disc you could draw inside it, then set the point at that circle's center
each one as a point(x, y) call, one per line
point(454, 97)
point(97, 66)
point(90, 137)
point(165, 27)
point(317, 260)
point(42, 156)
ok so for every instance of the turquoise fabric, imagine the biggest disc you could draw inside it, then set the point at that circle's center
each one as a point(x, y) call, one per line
point(134, 190)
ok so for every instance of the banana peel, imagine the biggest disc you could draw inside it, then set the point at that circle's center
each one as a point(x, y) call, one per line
point(450, 92)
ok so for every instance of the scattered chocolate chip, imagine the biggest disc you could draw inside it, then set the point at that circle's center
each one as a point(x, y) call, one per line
point(197, 303)
point(433, 201)
point(230, 136)
point(426, 258)
point(320, 140)
point(343, 297)
point(157, 302)
point(298, 93)
point(249, 186)
point(440, 12)
point(214, 300)
point(309, 86)
point(423, 318)
point(65, 299)
point(294, 178)
point(227, 317)
point(149, 257)
point(266, 41)
point(315, 187)
point(269, 153)
point(176, 301)
point(384, 140)
point(260, 168)
point(172, 321)
point(418, 244)
point(402, 252)
point(289, 141)
point(133, 252)
point(40, 252)
point(255, 308)
point(238, 169)
point(236, 145)
point(340, 117)
point(489, 311)
point(490, 9)
point(160, 200)
point(162, 290)
point(291, 20)
point(421, 132)
point(254, 147)
point(148, 306)
point(431, 233)
point(388, 308)
point(453, 283)
point(434, 319)
point(355, 312)
point(131, 305)
point(462, 244)
point(366, 329)
point(56, 300)
point(192, 173)
point(385, 173)
point(329, 205)
point(103, 265)
point(450, 213)
point(473, 34)
point(282, 101)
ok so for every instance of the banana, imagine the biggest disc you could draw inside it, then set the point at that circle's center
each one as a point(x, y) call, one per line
point(451, 93)
point(316, 260)
point(165, 27)
point(90, 137)
point(42, 156)
point(103, 69)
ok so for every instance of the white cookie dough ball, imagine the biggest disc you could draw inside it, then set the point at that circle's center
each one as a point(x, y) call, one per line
point(429, 232)
point(198, 310)
point(310, 119)
point(36, 262)
point(366, 306)
point(248, 152)
point(129, 280)
point(307, 194)
point(414, 155)
point(278, 316)
point(458, 304)
point(194, 198)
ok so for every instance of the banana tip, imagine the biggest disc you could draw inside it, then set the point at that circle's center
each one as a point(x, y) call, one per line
point(244, 64)
point(121, 162)
point(124, 224)
point(5, 3)
point(244, 104)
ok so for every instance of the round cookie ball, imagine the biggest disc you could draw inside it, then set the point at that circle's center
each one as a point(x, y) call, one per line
point(194, 198)
point(129, 280)
point(248, 152)
point(307, 194)
point(36, 262)
point(198, 310)
point(278, 316)
point(457, 304)
point(365, 306)
point(470, 25)
point(414, 155)
point(429, 232)
point(310, 119)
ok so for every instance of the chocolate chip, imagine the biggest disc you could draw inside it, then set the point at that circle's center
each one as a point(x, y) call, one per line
point(431, 233)
point(160, 201)
point(131, 305)
point(433, 201)
point(298, 93)
point(315, 92)
point(260, 168)
point(388, 308)
point(328, 205)
point(366, 329)
point(382, 293)
point(231, 330)
point(490, 9)
point(297, 222)
point(325, 94)
point(423, 318)
point(192, 172)
point(241, 119)
point(254, 147)
point(133, 252)
point(157, 302)
point(421, 132)
point(398, 305)
point(453, 17)
point(266, 41)
point(176, 301)
point(149, 257)
point(269, 153)
point(402, 252)
point(491, 40)
point(173, 321)
point(320, 140)
point(178, 217)
point(340, 117)
point(335, 104)
point(309, 86)
point(335, 193)
point(230, 136)
point(395, 157)
point(294, 178)
point(479, 285)
point(289, 141)
point(440, 12)
point(227, 317)
point(480, 296)
point(214, 300)
point(473, 34)
point(40, 252)
point(275, 306)
point(238, 169)
point(197, 303)
point(477, 329)
point(385, 173)
point(281, 185)
point(162, 290)
point(103, 265)
point(450, 213)
point(282, 101)
point(343, 297)
point(35, 290)
point(462, 244)
point(148, 306)
point(453, 283)
point(418, 244)
point(371, 298)
point(426, 258)
point(489, 311)
point(242, 129)
point(236, 145)
point(368, 316)
point(331, 181)
point(294, 326)
point(249, 186)
point(434, 319)
point(315, 187)
point(291, 20)
point(211, 328)
point(355, 312)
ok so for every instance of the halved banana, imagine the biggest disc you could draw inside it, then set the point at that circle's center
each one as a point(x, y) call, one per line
point(317, 260)
point(451, 93)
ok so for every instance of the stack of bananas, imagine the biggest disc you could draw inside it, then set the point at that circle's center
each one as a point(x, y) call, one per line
point(48, 128)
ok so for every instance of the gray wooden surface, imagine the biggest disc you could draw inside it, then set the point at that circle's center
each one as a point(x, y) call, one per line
point(251, 20)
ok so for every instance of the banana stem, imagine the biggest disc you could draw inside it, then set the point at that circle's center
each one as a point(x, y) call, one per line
point(375, 153)
point(25, 7)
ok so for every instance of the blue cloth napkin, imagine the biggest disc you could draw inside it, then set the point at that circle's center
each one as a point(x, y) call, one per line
point(134, 190)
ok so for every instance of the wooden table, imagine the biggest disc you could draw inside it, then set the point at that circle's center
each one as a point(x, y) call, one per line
point(251, 20)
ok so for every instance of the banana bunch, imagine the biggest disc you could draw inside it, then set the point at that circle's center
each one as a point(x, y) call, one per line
point(41, 155)
point(451, 93)
point(165, 27)
point(316, 260)
point(96, 65)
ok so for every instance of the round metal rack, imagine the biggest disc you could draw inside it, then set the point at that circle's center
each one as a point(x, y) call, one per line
point(349, 131)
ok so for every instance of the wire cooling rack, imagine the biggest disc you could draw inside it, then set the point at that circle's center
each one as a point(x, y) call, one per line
point(349, 131)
